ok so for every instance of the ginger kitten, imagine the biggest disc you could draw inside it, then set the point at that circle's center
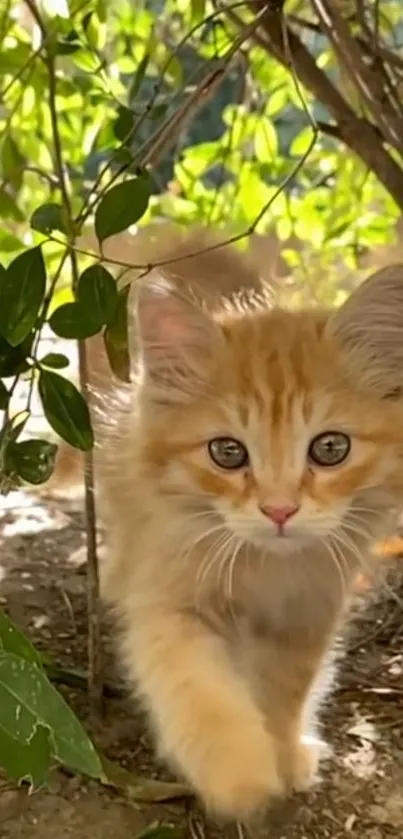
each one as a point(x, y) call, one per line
point(244, 474)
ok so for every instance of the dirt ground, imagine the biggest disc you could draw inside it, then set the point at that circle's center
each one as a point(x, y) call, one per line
point(42, 586)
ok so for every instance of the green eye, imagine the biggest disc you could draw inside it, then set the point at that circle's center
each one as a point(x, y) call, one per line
point(329, 448)
point(228, 453)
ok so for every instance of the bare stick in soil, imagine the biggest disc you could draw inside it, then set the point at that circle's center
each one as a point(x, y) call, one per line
point(95, 677)
point(95, 686)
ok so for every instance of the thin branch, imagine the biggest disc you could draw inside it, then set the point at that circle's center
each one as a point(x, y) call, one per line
point(95, 689)
point(329, 128)
point(305, 24)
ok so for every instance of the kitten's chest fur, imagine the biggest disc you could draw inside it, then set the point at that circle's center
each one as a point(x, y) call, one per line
point(280, 596)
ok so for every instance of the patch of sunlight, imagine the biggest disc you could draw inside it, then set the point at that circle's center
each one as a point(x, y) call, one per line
point(22, 515)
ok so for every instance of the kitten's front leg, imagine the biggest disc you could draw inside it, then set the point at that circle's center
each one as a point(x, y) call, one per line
point(205, 717)
point(287, 674)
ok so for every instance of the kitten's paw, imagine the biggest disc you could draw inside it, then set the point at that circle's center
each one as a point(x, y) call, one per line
point(239, 775)
point(305, 759)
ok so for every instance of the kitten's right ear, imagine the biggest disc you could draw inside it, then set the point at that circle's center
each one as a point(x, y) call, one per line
point(369, 328)
point(176, 338)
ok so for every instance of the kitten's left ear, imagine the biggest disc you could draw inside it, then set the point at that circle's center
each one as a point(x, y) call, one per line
point(369, 327)
point(176, 339)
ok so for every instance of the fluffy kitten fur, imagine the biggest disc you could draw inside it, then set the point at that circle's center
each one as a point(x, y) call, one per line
point(226, 626)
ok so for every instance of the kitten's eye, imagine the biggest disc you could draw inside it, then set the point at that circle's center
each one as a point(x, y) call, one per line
point(228, 453)
point(329, 448)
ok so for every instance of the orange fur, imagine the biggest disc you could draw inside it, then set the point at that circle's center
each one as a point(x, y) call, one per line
point(226, 624)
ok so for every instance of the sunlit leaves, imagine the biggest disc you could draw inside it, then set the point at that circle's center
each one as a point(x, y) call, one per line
point(302, 142)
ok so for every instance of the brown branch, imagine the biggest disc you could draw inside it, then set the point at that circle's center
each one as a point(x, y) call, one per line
point(356, 132)
point(363, 77)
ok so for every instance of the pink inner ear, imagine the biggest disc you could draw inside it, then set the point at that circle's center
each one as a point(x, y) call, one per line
point(171, 326)
point(163, 320)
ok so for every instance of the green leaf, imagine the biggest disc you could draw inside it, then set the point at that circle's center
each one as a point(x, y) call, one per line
point(8, 207)
point(27, 761)
point(12, 640)
point(21, 294)
point(65, 47)
point(27, 700)
point(198, 8)
point(10, 243)
point(116, 339)
point(266, 142)
point(86, 60)
point(97, 293)
point(140, 788)
point(55, 360)
point(66, 410)
point(123, 124)
point(34, 460)
point(49, 217)
point(302, 142)
point(13, 162)
point(139, 75)
point(12, 359)
point(123, 205)
point(71, 320)
point(4, 396)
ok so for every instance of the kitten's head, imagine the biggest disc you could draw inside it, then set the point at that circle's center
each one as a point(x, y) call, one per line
point(282, 425)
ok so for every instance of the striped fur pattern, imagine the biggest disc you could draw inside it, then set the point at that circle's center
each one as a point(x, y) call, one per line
point(226, 623)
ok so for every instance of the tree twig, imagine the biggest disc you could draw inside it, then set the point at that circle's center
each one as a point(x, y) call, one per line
point(95, 689)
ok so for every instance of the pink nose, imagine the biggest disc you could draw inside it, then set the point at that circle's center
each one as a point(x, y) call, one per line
point(279, 514)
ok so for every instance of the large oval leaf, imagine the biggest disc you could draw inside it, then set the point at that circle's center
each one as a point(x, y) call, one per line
point(55, 360)
point(12, 640)
point(12, 359)
point(116, 339)
point(21, 294)
point(49, 217)
point(65, 409)
point(28, 700)
point(34, 460)
point(71, 320)
point(97, 293)
point(4, 396)
point(28, 761)
point(121, 206)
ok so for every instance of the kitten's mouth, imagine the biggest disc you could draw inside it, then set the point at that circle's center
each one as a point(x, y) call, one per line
point(289, 538)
